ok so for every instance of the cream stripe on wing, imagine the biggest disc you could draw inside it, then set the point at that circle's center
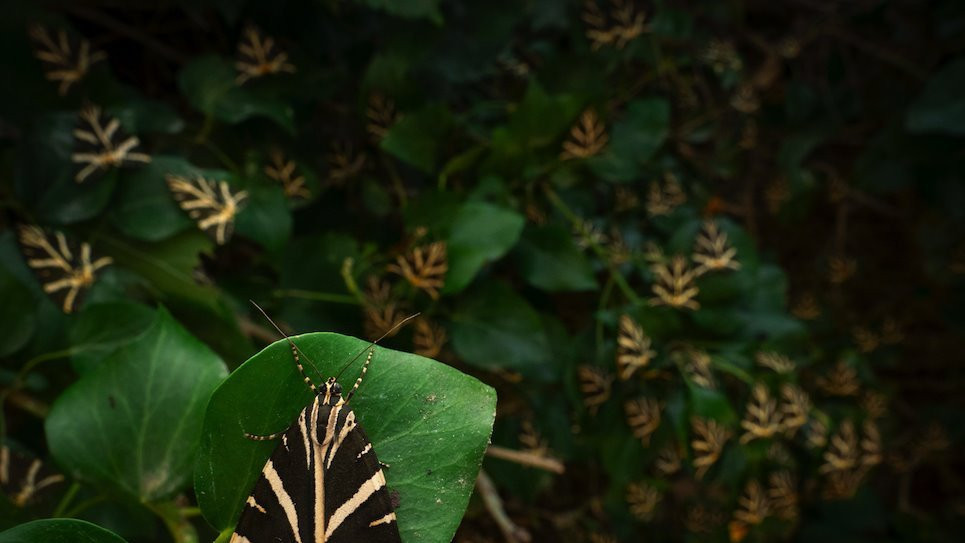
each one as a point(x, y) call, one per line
point(347, 428)
point(238, 538)
point(251, 501)
point(304, 432)
point(352, 504)
point(319, 456)
point(384, 520)
point(368, 447)
point(283, 498)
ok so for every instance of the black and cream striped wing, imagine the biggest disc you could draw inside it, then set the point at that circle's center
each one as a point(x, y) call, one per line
point(322, 484)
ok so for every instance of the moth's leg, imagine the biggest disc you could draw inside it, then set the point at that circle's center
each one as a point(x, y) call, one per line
point(384, 465)
point(365, 368)
point(269, 437)
point(301, 370)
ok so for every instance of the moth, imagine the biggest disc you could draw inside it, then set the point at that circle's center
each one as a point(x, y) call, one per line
point(100, 144)
point(323, 483)
point(65, 269)
point(210, 203)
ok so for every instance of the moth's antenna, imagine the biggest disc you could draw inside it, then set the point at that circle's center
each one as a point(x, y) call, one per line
point(370, 345)
point(290, 342)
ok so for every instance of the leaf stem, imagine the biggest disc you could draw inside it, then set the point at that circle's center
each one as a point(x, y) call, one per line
point(526, 458)
point(65, 501)
point(316, 296)
point(615, 274)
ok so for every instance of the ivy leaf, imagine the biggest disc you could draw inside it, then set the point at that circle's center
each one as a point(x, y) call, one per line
point(417, 137)
point(209, 84)
point(144, 208)
point(60, 530)
point(538, 120)
point(411, 9)
point(941, 105)
point(634, 140)
point(47, 182)
point(100, 330)
point(17, 313)
point(496, 328)
point(429, 422)
point(550, 260)
point(266, 217)
point(133, 423)
point(480, 233)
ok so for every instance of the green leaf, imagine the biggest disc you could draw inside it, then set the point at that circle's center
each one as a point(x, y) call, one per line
point(100, 330)
point(538, 120)
point(429, 422)
point(634, 140)
point(496, 328)
point(61, 530)
point(17, 313)
point(412, 9)
point(209, 84)
point(418, 137)
point(139, 116)
point(941, 105)
point(266, 217)
point(133, 423)
point(480, 233)
point(47, 181)
point(144, 207)
point(550, 260)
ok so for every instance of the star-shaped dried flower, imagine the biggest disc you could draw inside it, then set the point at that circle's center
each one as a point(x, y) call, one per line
point(709, 438)
point(633, 348)
point(662, 199)
point(643, 416)
point(595, 387)
point(428, 338)
point(761, 418)
point(587, 138)
point(752, 505)
point(66, 59)
point(101, 144)
point(285, 172)
point(712, 251)
point(642, 499)
point(675, 286)
point(842, 451)
point(211, 204)
point(775, 361)
point(424, 267)
point(258, 56)
point(65, 270)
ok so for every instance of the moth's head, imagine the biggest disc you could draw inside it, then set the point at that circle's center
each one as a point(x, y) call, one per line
point(331, 392)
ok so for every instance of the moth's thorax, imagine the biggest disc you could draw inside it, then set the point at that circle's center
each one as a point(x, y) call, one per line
point(330, 393)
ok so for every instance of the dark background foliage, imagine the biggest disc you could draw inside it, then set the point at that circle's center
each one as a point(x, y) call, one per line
point(766, 195)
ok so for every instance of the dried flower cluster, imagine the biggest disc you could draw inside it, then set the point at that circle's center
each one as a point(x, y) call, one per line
point(424, 267)
point(616, 27)
point(587, 138)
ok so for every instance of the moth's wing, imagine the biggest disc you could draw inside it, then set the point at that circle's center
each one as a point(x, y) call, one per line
point(282, 500)
point(356, 498)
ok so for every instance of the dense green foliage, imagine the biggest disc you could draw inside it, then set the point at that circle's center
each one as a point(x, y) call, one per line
point(710, 255)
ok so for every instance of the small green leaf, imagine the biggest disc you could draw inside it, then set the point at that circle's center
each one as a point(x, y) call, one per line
point(266, 217)
point(101, 329)
point(144, 207)
point(209, 84)
point(60, 530)
point(634, 140)
point(941, 105)
point(496, 328)
point(550, 260)
point(47, 182)
point(411, 9)
point(133, 423)
point(538, 120)
point(418, 137)
point(17, 313)
point(140, 116)
point(480, 233)
point(429, 422)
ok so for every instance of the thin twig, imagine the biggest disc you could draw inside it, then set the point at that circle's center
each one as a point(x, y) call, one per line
point(526, 458)
point(111, 23)
point(490, 497)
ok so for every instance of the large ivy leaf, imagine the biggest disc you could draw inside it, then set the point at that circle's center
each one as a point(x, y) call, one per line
point(537, 120)
point(480, 233)
point(101, 329)
point(61, 530)
point(429, 422)
point(418, 137)
point(941, 105)
point(209, 84)
point(496, 328)
point(133, 423)
point(266, 217)
point(550, 260)
point(634, 140)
